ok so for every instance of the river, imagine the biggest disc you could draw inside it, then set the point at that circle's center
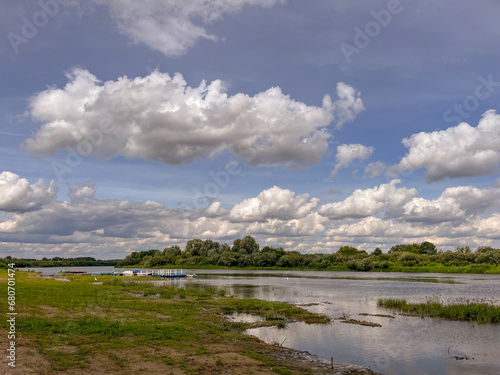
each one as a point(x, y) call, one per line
point(403, 345)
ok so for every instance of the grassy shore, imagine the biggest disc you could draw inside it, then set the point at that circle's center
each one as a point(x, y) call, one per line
point(122, 327)
point(468, 310)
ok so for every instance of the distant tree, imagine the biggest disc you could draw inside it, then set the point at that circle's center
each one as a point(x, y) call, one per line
point(413, 248)
point(291, 259)
point(377, 251)
point(463, 250)
point(269, 256)
point(194, 248)
point(347, 250)
point(397, 248)
point(410, 259)
point(247, 245)
point(364, 265)
point(224, 248)
point(172, 251)
point(428, 248)
point(484, 249)
point(228, 259)
point(278, 250)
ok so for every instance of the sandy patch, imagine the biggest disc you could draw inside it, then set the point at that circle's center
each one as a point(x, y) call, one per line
point(28, 360)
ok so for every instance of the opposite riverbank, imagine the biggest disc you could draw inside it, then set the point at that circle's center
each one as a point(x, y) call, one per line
point(431, 268)
point(77, 325)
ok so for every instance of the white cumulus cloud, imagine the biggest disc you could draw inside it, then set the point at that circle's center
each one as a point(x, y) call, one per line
point(368, 202)
point(161, 118)
point(304, 226)
point(216, 209)
point(432, 211)
point(276, 203)
point(17, 194)
point(349, 105)
point(473, 200)
point(346, 154)
point(460, 151)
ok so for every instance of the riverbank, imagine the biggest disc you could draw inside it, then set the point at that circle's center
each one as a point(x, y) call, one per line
point(430, 268)
point(84, 326)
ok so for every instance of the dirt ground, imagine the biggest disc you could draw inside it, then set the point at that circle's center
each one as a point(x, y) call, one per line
point(219, 359)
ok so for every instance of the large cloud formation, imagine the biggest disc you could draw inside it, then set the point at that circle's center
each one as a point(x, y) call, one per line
point(274, 203)
point(170, 26)
point(17, 194)
point(161, 118)
point(368, 202)
point(460, 151)
point(380, 216)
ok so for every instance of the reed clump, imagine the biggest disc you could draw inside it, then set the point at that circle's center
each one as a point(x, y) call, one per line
point(481, 311)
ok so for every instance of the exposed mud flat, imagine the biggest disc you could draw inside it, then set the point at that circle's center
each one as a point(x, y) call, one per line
point(302, 360)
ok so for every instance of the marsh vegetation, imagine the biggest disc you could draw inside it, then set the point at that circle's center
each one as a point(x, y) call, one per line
point(468, 310)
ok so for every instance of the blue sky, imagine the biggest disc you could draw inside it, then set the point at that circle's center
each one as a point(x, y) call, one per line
point(126, 126)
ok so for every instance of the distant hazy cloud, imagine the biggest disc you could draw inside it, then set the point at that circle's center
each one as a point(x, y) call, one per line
point(170, 26)
point(346, 154)
point(332, 191)
point(82, 192)
point(385, 214)
point(375, 169)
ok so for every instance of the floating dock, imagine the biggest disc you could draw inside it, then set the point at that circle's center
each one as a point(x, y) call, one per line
point(157, 273)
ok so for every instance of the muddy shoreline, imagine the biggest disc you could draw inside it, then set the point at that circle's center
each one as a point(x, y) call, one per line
point(304, 359)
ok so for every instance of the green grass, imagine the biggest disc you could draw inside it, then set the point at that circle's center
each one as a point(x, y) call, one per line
point(441, 268)
point(119, 316)
point(468, 310)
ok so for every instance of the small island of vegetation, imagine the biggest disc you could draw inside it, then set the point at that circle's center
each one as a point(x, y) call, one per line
point(466, 310)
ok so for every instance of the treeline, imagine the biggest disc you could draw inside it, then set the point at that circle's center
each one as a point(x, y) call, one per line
point(246, 253)
point(57, 262)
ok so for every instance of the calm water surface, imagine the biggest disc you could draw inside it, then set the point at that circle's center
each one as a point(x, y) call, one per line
point(403, 345)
